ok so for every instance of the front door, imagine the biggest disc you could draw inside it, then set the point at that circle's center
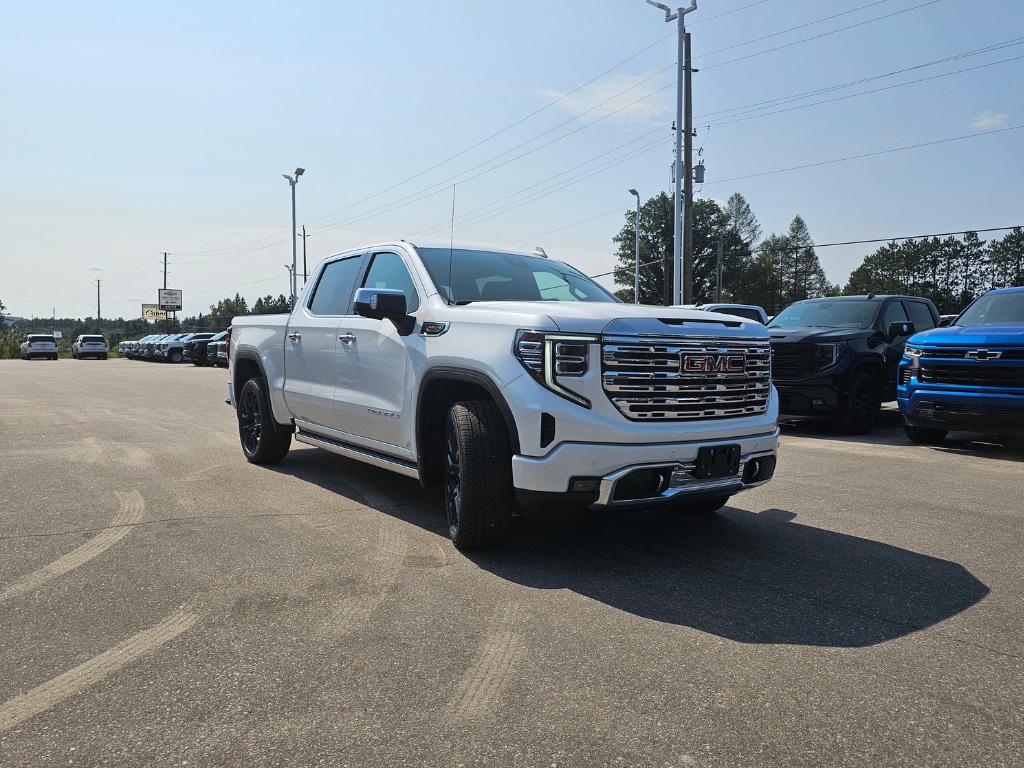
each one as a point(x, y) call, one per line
point(312, 341)
point(374, 365)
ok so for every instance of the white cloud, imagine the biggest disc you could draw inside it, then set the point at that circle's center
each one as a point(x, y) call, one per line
point(986, 121)
point(135, 298)
point(96, 268)
point(25, 298)
point(619, 99)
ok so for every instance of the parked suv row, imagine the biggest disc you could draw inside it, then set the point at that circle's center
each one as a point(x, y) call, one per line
point(175, 348)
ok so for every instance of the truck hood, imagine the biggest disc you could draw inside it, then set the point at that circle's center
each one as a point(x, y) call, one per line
point(820, 335)
point(624, 319)
point(973, 335)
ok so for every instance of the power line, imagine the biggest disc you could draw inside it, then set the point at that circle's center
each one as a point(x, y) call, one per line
point(867, 154)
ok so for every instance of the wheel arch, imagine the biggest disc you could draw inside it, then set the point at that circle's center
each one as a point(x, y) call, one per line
point(439, 389)
point(248, 365)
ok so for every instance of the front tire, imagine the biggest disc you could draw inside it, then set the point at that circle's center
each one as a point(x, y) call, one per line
point(176, 357)
point(860, 412)
point(262, 442)
point(479, 499)
point(925, 435)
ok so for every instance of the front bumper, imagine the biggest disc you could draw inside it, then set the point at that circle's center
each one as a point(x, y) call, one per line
point(544, 485)
point(989, 412)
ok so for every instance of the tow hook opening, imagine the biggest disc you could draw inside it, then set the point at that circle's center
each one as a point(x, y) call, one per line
point(759, 469)
point(645, 483)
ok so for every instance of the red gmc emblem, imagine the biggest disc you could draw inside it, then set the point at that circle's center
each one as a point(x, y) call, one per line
point(714, 363)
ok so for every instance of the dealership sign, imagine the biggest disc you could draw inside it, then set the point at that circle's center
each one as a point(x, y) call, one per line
point(152, 312)
point(169, 300)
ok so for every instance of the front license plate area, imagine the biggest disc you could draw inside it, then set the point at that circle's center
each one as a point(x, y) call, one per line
point(717, 461)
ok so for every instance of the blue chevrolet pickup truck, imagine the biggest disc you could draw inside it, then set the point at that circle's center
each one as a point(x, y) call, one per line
point(968, 376)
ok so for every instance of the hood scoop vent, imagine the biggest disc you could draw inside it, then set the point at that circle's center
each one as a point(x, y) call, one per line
point(680, 321)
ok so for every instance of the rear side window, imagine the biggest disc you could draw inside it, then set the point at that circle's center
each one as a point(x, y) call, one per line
point(389, 271)
point(920, 316)
point(334, 290)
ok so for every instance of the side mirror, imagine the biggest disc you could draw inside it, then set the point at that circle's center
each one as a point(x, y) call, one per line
point(901, 329)
point(945, 322)
point(385, 304)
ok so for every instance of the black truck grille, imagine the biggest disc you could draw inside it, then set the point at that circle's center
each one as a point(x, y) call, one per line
point(676, 379)
point(974, 375)
point(792, 361)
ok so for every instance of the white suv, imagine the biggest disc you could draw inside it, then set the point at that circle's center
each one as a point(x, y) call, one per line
point(513, 380)
point(90, 346)
point(39, 345)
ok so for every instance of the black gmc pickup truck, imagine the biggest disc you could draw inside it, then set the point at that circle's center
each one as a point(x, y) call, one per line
point(837, 358)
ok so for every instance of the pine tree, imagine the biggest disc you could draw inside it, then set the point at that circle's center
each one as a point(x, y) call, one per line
point(743, 220)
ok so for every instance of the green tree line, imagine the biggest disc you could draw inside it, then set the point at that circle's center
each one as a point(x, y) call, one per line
point(220, 314)
point(774, 271)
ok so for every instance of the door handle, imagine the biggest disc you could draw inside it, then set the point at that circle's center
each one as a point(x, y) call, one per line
point(295, 336)
point(347, 338)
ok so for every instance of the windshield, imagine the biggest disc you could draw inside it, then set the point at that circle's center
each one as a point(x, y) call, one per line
point(995, 309)
point(492, 276)
point(827, 314)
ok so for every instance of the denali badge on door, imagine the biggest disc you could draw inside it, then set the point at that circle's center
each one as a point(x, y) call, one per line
point(717, 461)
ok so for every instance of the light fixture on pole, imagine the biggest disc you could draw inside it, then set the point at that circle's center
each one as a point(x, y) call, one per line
point(681, 74)
point(636, 226)
point(291, 277)
point(292, 182)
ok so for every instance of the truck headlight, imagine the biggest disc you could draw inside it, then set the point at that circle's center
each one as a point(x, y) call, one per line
point(547, 356)
point(914, 353)
point(827, 355)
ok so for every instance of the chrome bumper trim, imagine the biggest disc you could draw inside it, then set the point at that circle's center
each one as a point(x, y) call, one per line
point(681, 484)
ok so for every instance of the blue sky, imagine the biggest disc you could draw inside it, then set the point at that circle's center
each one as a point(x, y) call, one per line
point(129, 129)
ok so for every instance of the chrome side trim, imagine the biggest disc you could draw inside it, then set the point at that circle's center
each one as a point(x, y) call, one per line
point(361, 454)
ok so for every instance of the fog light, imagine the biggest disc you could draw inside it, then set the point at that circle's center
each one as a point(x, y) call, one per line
point(817, 401)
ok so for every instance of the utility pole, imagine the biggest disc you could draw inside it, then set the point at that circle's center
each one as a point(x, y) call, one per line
point(636, 275)
point(687, 265)
point(97, 306)
point(682, 79)
point(165, 288)
point(718, 281)
point(305, 272)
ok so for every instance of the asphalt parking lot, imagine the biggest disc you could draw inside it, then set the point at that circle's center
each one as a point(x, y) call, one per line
point(162, 602)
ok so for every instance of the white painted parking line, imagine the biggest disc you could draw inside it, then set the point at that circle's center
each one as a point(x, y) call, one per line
point(133, 507)
point(51, 693)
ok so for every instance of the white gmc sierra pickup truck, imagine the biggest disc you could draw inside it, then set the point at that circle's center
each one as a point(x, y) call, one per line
point(512, 379)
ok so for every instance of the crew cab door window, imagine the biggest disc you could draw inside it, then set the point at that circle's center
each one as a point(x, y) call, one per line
point(387, 270)
point(894, 313)
point(921, 316)
point(333, 293)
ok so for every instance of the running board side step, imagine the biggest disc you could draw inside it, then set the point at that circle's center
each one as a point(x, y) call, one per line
point(359, 453)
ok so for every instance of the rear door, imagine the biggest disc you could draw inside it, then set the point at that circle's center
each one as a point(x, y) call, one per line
point(373, 364)
point(894, 313)
point(311, 342)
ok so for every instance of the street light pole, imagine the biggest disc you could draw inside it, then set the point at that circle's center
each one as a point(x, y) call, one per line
point(682, 75)
point(291, 282)
point(636, 276)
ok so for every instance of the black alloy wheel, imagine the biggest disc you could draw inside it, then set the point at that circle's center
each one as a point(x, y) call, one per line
point(250, 421)
point(860, 411)
point(263, 441)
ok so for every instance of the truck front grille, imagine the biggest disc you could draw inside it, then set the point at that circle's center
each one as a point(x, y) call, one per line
point(980, 374)
point(792, 361)
point(686, 379)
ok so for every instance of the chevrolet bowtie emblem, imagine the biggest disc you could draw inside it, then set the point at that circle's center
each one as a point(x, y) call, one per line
point(984, 354)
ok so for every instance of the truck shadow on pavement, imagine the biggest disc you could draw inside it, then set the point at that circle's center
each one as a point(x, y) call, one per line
point(744, 576)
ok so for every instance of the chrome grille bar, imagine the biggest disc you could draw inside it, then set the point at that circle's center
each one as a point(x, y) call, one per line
point(644, 377)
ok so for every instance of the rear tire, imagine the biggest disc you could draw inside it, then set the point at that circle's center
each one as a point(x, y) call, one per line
point(925, 435)
point(479, 499)
point(860, 412)
point(703, 508)
point(263, 442)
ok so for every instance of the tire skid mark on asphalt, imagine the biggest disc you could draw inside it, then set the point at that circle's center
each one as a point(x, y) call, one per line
point(51, 693)
point(133, 507)
point(479, 692)
point(355, 610)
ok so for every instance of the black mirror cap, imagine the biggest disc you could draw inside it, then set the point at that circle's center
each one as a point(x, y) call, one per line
point(901, 329)
point(385, 304)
